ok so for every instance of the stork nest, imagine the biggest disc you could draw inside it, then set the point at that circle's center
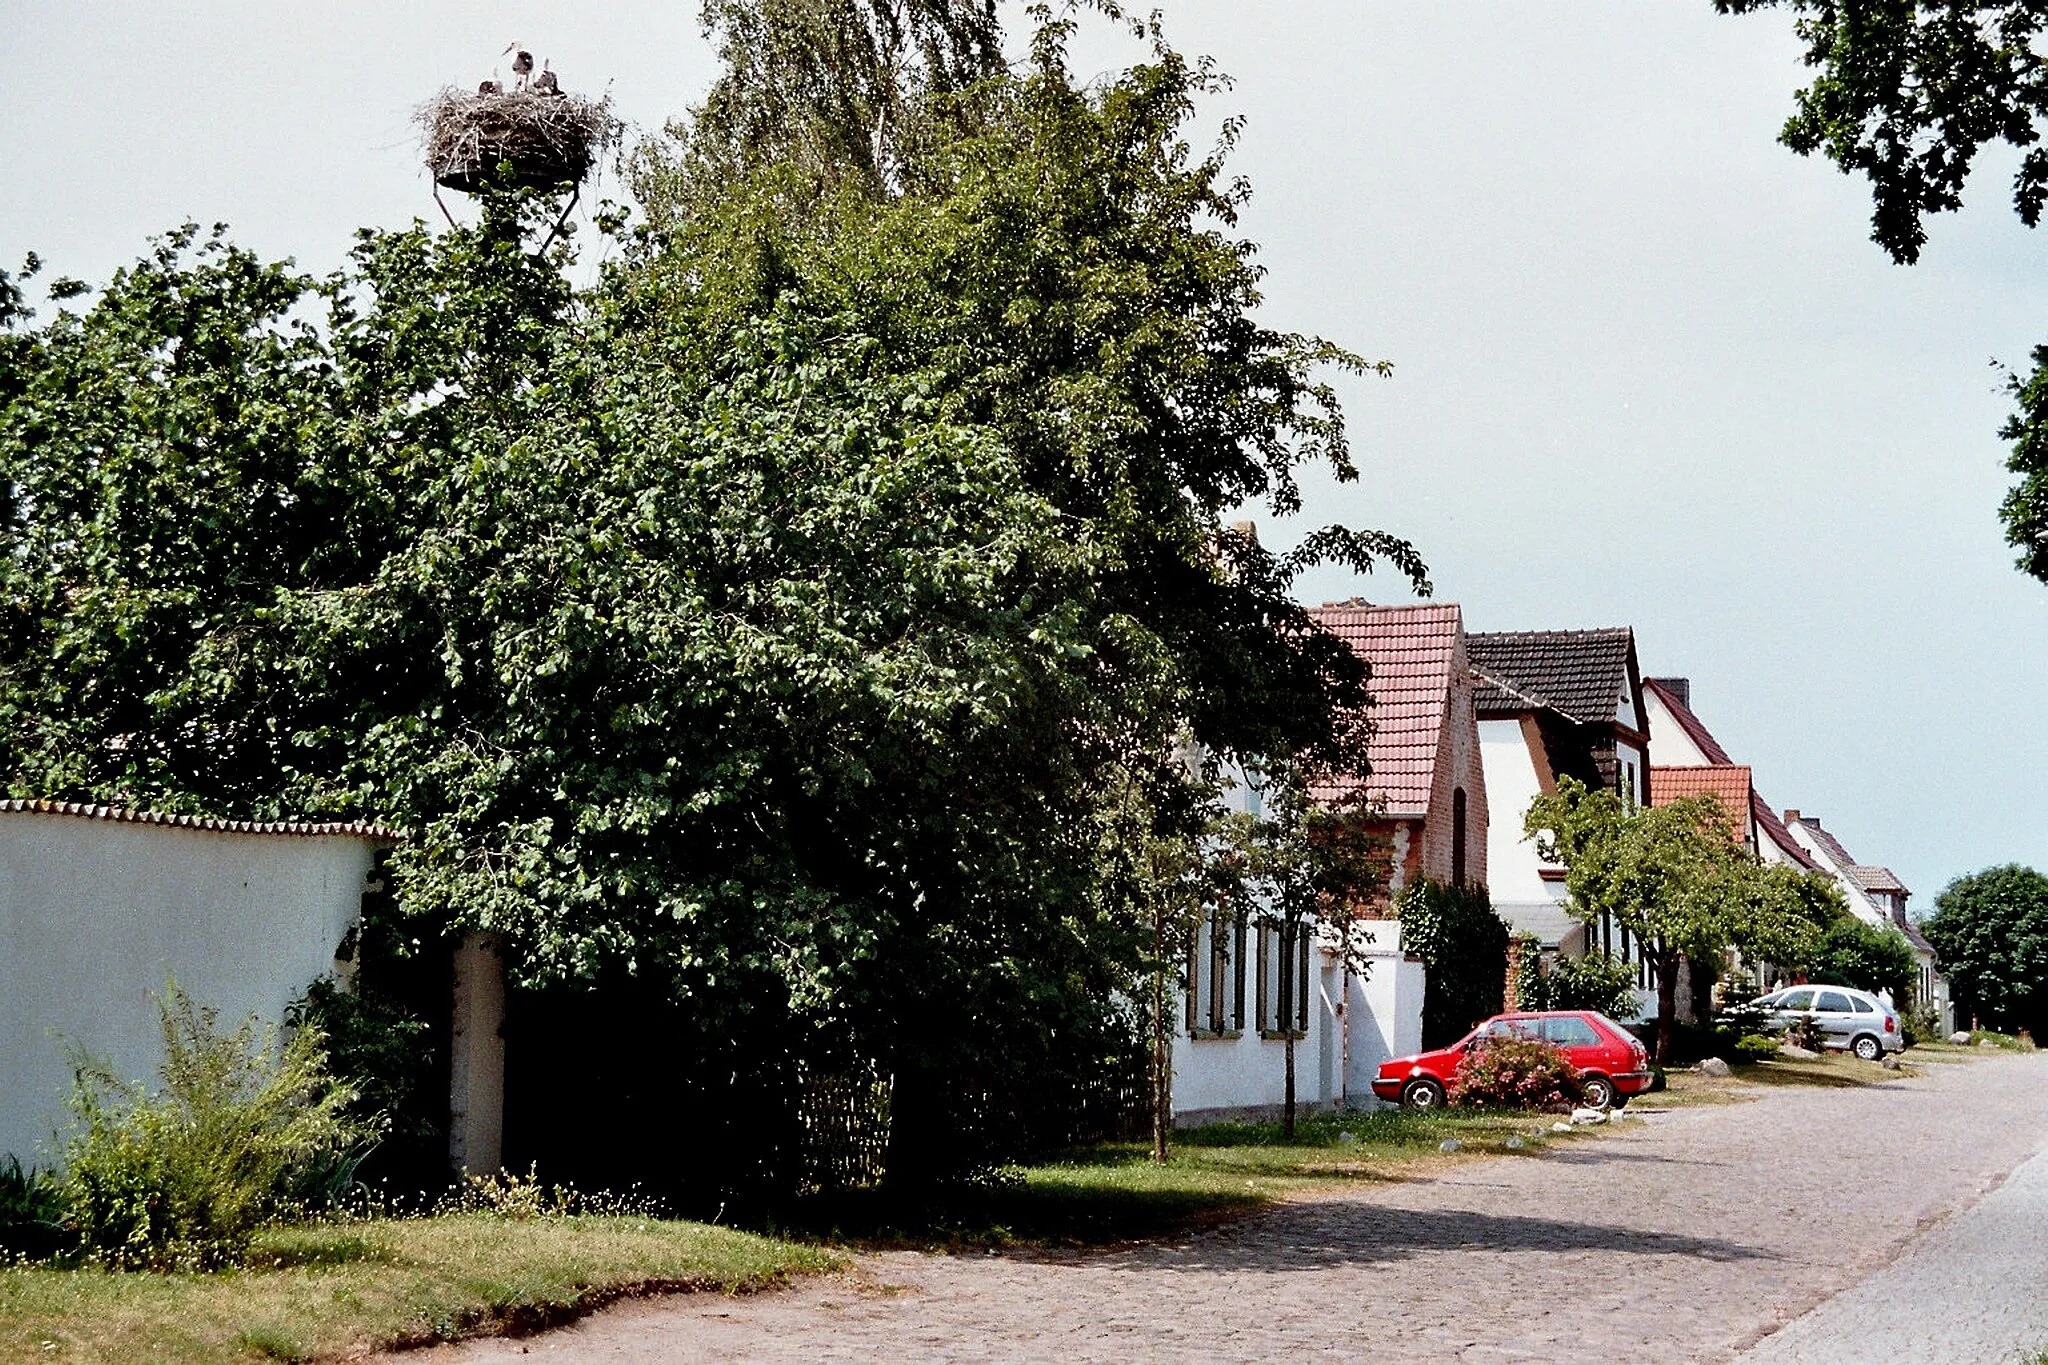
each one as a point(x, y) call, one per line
point(515, 140)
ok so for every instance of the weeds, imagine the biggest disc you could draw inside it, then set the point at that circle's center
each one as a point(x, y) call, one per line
point(241, 1134)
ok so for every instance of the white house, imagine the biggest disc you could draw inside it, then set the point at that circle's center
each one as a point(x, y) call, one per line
point(101, 907)
point(1684, 742)
point(1875, 896)
point(1249, 986)
point(1551, 704)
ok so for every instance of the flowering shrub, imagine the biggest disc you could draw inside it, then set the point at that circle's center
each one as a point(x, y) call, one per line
point(1508, 1072)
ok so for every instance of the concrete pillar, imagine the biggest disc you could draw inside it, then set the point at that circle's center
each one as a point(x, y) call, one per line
point(476, 1058)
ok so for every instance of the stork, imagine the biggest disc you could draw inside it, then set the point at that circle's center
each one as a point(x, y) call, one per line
point(522, 62)
point(545, 82)
point(491, 86)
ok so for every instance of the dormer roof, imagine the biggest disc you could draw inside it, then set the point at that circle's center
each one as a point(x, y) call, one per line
point(1582, 675)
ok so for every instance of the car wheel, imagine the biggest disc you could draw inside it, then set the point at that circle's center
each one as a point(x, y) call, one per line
point(1867, 1047)
point(1598, 1092)
point(1422, 1093)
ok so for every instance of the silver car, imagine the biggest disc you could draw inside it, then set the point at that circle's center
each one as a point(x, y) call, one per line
point(1850, 1021)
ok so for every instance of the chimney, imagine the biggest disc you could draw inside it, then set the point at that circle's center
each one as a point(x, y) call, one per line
point(1680, 688)
point(1791, 817)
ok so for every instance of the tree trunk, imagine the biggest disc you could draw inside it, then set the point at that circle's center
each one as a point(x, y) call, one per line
point(1287, 1114)
point(1162, 1046)
point(1667, 1004)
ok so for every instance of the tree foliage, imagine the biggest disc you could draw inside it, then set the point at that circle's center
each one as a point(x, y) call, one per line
point(788, 625)
point(1907, 93)
point(1463, 945)
point(1592, 982)
point(1869, 957)
point(1675, 878)
point(1990, 931)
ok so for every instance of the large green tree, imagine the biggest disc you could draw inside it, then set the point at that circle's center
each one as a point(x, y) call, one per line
point(787, 627)
point(1990, 931)
point(1907, 93)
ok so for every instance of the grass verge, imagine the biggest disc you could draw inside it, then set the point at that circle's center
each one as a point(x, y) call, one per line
point(1833, 1070)
point(326, 1290)
point(1115, 1191)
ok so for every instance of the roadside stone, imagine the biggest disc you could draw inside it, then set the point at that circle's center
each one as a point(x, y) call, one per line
point(1985, 1042)
point(1588, 1116)
point(1514, 1144)
point(1560, 1127)
point(1347, 1137)
point(1961, 1038)
point(1714, 1066)
point(1450, 1145)
point(1890, 1063)
point(1792, 1052)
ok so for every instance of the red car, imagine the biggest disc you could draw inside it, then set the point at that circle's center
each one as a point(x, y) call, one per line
point(1615, 1065)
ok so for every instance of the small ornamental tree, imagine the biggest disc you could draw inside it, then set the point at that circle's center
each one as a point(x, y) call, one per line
point(1868, 957)
point(1674, 877)
point(1315, 867)
point(1508, 1071)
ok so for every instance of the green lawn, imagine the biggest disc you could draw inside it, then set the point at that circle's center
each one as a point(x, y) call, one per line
point(1832, 1070)
point(324, 1290)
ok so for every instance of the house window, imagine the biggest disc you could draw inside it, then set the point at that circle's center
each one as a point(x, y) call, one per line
point(1628, 786)
point(1458, 836)
point(1283, 978)
point(1216, 975)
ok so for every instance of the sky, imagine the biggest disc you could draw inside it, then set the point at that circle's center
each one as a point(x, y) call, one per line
point(1649, 370)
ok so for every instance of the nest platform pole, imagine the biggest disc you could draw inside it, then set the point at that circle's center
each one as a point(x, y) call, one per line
point(442, 206)
point(575, 197)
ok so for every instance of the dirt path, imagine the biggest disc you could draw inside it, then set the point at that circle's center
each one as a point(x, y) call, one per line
point(1682, 1238)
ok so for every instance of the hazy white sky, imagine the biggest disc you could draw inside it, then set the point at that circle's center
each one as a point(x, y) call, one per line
point(1649, 371)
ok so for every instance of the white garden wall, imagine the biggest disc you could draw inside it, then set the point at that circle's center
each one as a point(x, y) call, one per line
point(98, 913)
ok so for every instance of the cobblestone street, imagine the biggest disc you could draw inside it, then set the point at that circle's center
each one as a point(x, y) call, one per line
point(1687, 1236)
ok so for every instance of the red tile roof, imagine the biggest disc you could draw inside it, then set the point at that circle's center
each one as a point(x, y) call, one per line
point(355, 829)
point(1727, 782)
point(1412, 651)
point(1878, 879)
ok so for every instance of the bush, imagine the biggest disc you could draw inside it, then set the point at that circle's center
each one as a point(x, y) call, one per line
point(1806, 1032)
point(1593, 982)
point(242, 1133)
point(1921, 1024)
point(1508, 1072)
point(1867, 957)
point(1755, 1047)
point(31, 1212)
point(1463, 946)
